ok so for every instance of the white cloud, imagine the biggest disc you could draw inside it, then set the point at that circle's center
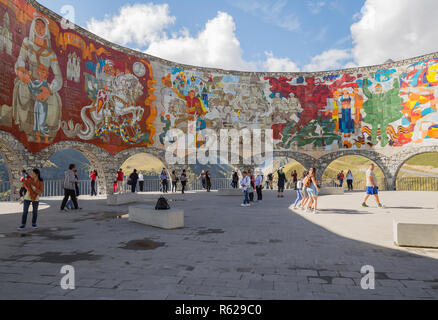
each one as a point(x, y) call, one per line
point(316, 6)
point(330, 60)
point(140, 24)
point(215, 46)
point(273, 64)
point(394, 29)
point(270, 12)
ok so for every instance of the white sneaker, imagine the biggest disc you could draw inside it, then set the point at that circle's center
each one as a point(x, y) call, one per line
point(315, 211)
point(243, 205)
point(248, 205)
point(308, 210)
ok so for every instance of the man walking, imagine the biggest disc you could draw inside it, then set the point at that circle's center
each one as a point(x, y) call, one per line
point(372, 188)
point(69, 188)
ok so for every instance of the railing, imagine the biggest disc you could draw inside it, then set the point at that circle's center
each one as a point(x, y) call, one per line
point(358, 184)
point(417, 184)
point(5, 190)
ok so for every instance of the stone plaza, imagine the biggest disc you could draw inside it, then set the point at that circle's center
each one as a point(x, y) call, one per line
point(267, 251)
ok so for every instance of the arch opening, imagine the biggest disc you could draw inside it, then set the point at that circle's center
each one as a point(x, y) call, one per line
point(288, 164)
point(358, 165)
point(418, 173)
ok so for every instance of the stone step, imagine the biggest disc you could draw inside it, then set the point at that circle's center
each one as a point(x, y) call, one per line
point(164, 219)
point(415, 235)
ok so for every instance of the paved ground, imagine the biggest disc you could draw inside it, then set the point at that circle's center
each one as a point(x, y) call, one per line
point(225, 252)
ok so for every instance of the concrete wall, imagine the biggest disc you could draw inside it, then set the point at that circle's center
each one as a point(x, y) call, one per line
point(110, 102)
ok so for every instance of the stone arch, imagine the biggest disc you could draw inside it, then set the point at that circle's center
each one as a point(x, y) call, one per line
point(402, 157)
point(98, 158)
point(15, 157)
point(381, 161)
point(302, 158)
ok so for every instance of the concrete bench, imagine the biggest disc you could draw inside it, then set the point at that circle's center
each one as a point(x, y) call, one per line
point(330, 191)
point(230, 192)
point(415, 235)
point(122, 198)
point(164, 219)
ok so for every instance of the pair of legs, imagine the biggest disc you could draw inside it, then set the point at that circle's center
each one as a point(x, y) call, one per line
point(208, 186)
point(26, 206)
point(93, 188)
point(141, 185)
point(174, 186)
point(69, 194)
point(280, 191)
point(350, 185)
point(245, 197)
point(164, 186)
point(120, 186)
point(259, 193)
point(372, 191)
point(299, 199)
point(183, 184)
point(133, 186)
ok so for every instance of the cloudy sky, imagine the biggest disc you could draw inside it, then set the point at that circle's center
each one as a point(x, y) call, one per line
point(265, 35)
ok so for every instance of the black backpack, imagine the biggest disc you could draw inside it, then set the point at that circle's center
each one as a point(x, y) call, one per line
point(162, 204)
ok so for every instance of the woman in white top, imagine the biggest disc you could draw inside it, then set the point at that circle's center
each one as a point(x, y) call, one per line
point(350, 180)
point(141, 181)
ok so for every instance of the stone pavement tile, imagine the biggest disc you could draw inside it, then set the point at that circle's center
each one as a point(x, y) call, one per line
point(343, 281)
point(216, 282)
point(251, 276)
point(387, 291)
point(307, 272)
point(286, 285)
point(418, 284)
point(176, 296)
point(152, 294)
point(326, 296)
point(390, 283)
point(224, 292)
point(339, 288)
point(415, 292)
point(230, 275)
point(199, 290)
point(108, 284)
point(261, 285)
point(250, 294)
point(239, 284)
point(432, 292)
point(315, 280)
point(328, 273)
point(310, 287)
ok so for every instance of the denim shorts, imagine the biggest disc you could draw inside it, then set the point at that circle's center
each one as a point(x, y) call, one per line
point(373, 191)
point(311, 192)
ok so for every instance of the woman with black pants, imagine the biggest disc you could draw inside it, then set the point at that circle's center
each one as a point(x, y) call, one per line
point(35, 187)
point(208, 180)
point(134, 178)
point(183, 181)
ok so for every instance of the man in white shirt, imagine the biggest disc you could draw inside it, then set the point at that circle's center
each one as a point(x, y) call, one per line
point(372, 188)
point(259, 186)
point(245, 184)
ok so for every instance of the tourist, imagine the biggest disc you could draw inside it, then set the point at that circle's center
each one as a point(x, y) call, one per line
point(341, 179)
point(295, 179)
point(259, 186)
point(372, 188)
point(174, 181)
point(140, 181)
point(208, 180)
point(23, 191)
point(115, 186)
point(120, 176)
point(281, 182)
point(304, 193)
point(183, 181)
point(271, 181)
point(93, 177)
point(312, 191)
point(350, 180)
point(69, 205)
point(133, 179)
point(299, 188)
point(252, 186)
point(202, 177)
point(163, 180)
point(245, 184)
point(69, 185)
point(35, 187)
point(235, 180)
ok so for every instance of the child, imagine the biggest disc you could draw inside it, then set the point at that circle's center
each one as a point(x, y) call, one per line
point(245, 184)
point(40, 107)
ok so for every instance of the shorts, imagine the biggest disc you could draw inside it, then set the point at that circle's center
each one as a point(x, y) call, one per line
point(373, 191)
point(304, 193)
point(310, 192)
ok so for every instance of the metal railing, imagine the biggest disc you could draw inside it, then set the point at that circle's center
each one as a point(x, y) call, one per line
point(358, 184)
point(417, 184)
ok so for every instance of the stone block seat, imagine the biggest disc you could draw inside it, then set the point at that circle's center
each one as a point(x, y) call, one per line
point(164, 219)
point(409, 234)
point(331, 191)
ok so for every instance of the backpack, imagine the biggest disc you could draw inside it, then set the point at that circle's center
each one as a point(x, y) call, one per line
point(162, 204)
point(307, 181)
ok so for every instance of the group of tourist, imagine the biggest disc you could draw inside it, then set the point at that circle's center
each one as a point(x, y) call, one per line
point(341, 177)
point(205, 177)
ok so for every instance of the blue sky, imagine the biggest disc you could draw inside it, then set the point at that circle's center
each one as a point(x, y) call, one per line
point(305, 35)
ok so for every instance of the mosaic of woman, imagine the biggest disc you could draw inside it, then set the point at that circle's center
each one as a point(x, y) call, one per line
point(36, 55)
